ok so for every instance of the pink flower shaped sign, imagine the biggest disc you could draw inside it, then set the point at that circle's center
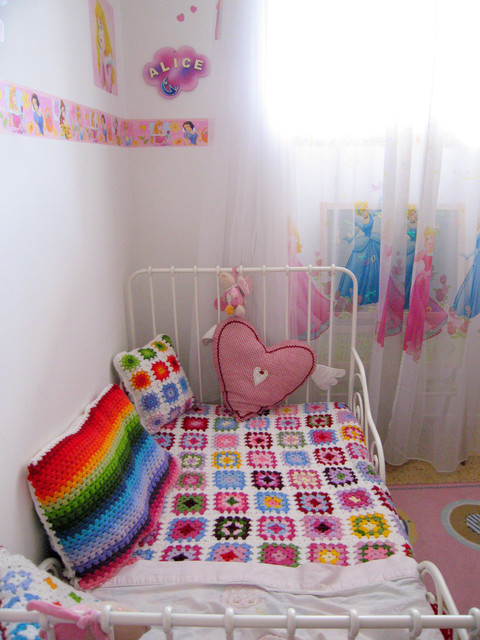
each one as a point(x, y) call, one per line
point(175, 70)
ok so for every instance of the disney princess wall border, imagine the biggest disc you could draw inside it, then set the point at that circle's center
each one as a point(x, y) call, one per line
point(30, 112)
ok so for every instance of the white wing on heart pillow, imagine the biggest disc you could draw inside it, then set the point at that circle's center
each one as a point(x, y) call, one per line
point(254, 377)
point(326, 377)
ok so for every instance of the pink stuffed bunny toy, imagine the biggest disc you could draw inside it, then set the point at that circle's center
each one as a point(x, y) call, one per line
point(236, 290)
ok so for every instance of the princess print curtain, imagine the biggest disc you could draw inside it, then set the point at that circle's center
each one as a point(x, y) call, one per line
point(375, 106)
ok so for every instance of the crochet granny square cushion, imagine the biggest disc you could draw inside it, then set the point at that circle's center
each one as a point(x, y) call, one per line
point(254, 377)
point(23, 585)
point(22, 582)
point(156, 382)
point(100, 488)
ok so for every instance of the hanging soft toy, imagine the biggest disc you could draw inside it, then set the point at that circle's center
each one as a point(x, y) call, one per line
point(236, 290)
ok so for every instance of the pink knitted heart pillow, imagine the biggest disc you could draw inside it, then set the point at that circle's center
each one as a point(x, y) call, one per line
point(254, 377)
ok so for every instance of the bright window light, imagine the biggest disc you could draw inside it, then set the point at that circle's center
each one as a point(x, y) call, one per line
point(341, 67)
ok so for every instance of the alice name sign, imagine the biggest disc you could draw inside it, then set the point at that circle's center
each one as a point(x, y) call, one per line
point(175, 70)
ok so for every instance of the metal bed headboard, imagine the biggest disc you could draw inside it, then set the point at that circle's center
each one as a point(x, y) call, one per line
point(151, 274)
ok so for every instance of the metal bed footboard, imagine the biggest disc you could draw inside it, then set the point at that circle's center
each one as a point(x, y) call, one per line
point(466, 627)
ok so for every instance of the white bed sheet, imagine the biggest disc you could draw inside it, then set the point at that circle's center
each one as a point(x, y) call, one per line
point(387, 587)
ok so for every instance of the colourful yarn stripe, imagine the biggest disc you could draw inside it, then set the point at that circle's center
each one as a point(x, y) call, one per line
point(77, 454)
point(101, 489)
point(101, 482)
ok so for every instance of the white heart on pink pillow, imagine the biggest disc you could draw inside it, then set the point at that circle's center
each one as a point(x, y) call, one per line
point(254, 377)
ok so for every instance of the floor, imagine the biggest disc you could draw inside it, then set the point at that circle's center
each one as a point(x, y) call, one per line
point(419, 472)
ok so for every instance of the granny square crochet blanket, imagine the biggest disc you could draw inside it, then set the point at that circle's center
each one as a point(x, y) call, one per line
point(292, 487)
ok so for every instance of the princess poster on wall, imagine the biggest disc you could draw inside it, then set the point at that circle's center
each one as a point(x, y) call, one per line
point(103, 45)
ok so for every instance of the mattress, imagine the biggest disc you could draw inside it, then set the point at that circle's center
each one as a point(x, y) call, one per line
point(282, 510)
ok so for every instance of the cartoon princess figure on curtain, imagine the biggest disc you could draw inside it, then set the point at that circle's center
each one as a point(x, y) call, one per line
point(398, 296)
point(105, 60)
point(411, 240)
point(364, 260)
point(299, 285)
point(426, 317)
point(467, 300)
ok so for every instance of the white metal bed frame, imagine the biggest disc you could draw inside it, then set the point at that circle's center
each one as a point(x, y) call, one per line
point(466, 627)
point(358, 399)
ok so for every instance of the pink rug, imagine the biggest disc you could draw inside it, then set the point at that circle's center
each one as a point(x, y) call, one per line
point(443, 523)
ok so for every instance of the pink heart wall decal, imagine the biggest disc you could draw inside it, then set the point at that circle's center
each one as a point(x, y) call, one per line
point(193, 8)
point(242, 360)
point(181, 17)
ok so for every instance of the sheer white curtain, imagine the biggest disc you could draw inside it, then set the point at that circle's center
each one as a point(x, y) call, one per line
point(248, 196)
point(377, 105)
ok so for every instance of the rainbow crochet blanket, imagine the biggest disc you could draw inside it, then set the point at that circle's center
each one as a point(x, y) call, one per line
point(293, 487)
point(100, 488)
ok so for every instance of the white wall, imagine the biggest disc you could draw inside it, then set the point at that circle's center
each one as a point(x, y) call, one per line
point(168, 183)
point(76, 219)
point(64, 253)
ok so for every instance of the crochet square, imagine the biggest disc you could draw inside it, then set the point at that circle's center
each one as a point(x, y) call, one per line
point(272, 501)
point(156, 382)
point(187, 529)
point(340, 476)
point(287, 555)
point(369, 525)
point(258, 424)
point(226, 460)
point(261, 458)
point(179, 552)
point(314, 502)
point(189, 503)
point(232, 528)
point(354, 499)
point(226, 441)
point(230, 552)
point(100, 488)
point(276, 528)
point(194, 440)
point(296, 458)
point(374, 550)
point(191, 480)
point(319, 421)
point(367, 472)
point(304, 478)
point(291, 439)
point(288, 422)
point(325, 553)
point(321, 526)
point(194, 423)
point(322, 436)
point(229, 479)
point(267, 479)
point(165, 439)
point(330, 455)
point(231, 502)
point(258, 440)
point(191, 460)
